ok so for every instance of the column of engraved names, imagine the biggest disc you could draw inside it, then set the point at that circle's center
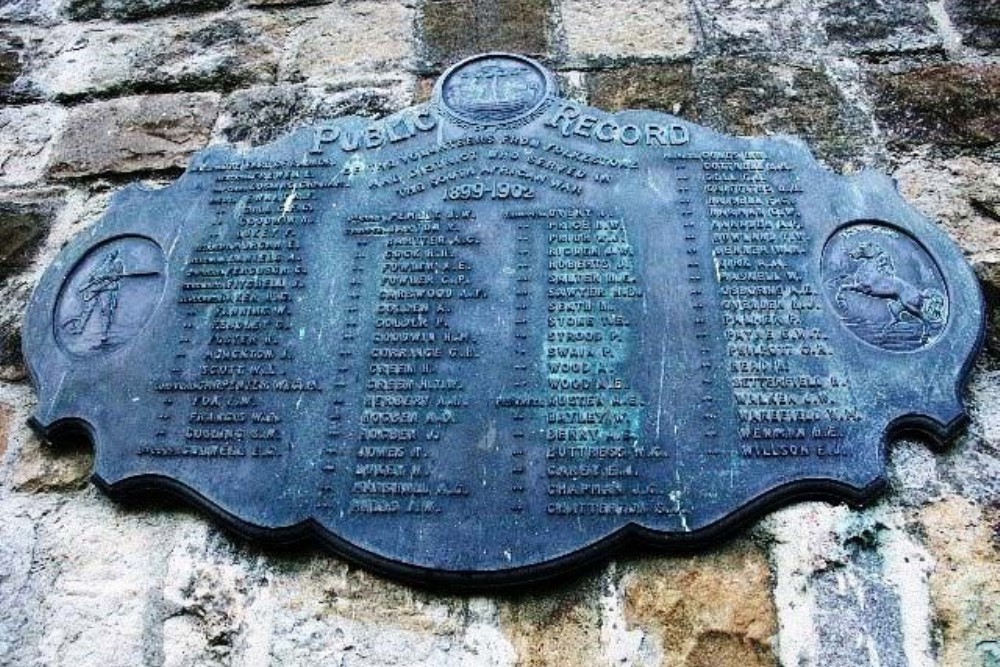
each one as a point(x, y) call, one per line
point(524, 298)
point(233, 359)
point(337, 437)
point(785, 378)
point(413, 359)
point(696, 272)
point(593, 415)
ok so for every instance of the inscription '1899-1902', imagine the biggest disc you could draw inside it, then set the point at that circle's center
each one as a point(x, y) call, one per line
point(473, 341)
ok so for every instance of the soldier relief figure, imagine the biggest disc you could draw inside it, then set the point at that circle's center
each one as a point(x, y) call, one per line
point(100, 290)
point(109, 296)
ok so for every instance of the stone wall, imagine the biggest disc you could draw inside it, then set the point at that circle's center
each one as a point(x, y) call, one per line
point(99, 93)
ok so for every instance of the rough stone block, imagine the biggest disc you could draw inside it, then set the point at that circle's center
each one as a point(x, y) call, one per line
point(79, 61)
point(989, 278)
point(965, 581)
point(352, 40)
point(26, 138)
point(424, 89)
point(539, 624)
point(41, 12)
point(14, 295)
point(760, 96)
point(263, 114)
point(753, 26)
point(978, 21)
point(600, 30)
point(133, 134)
point(861, 619)
point(711, 609)
point(131, 10)
point(669, 88)
point(322, 611)
point(961, 193)
point(265, 4)
point(101, 603)
point(13, 88)
point(951, 105)
point(850, 586)
point(41, 468)
point(10, 62)
point(18, 542)
point(887, 26)
point(5, 417)
point(454, 29)
point(24, 222)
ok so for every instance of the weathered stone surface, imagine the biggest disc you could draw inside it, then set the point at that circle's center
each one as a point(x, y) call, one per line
point(131, 10)
point(262, 114)
point(43, 12)
point(12, 87)
point(851, 587)
point(80, 61)
point(971, 467)
point(736, 26)
point(454, 29)
point(18, 540)
point(40, 467)
point(961, 193)
point(10, 61)
point(538, 625)
point(133, 134)
point(26, 138)
point(669, 88)
point(284, 3)
point(712, 609)
point(344, 41)
point(888, 26)
point(209, 601)
point(5, 425)
point(24, 221)
point(977, 20)
point(757, 96)
point(106, 570)
point(325, 612)
point(989, 278)
point(965, 580)
point(596, 30)
point(14, 295)
point(951, 105)
point(913, 473)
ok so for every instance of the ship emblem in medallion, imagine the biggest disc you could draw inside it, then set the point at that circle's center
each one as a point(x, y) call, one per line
point(492, 89)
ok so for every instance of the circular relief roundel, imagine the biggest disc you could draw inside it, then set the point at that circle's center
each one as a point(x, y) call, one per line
point(884, 286)
point(496, 88)
point(109, 295)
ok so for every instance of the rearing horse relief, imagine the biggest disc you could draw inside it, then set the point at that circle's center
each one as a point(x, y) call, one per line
point(876, 277)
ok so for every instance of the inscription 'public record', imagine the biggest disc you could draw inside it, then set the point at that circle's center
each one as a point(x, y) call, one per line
point(484, 339)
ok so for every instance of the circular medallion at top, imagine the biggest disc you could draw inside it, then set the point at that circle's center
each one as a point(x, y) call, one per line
point(495, 88)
